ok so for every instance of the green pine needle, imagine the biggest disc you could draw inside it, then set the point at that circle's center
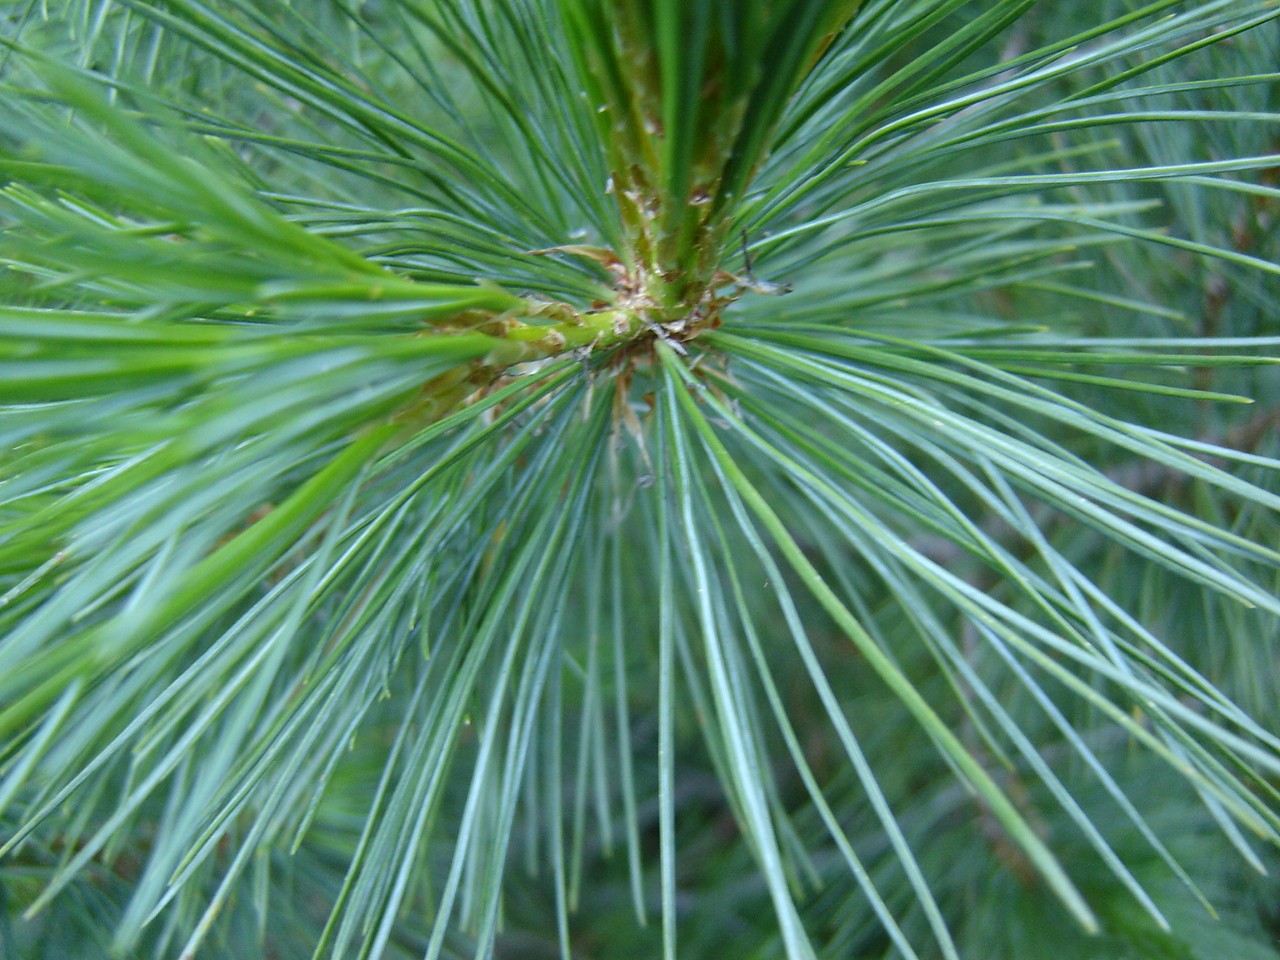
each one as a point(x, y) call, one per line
point(614, 479)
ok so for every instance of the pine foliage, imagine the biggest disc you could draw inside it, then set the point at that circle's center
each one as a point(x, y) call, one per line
point(639, 478)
